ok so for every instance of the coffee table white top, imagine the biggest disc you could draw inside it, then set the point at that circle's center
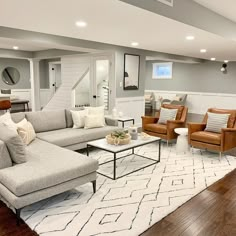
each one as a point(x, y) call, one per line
point(181, 131)
point(102, 144)
point(123, 118)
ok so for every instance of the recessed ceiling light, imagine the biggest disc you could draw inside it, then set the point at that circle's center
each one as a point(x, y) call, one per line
point(134, 44)
point(81, 24)
point(226, 61)
point(190, 37)
point(15, 47)
point(213, 59)
point(203, 50)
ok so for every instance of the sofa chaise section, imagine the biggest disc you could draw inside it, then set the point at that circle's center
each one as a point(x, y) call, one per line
point(49, 170)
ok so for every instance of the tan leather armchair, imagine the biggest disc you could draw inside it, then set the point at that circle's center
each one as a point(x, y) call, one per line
point(220, 142)
point(151, 127)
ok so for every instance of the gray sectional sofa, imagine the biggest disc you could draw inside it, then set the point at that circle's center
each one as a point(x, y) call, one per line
point(51, 168)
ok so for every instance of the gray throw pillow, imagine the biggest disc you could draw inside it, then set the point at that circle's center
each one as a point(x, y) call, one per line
point(167, 114)
point(5, 159)
point(216, 122)
point(14, 144)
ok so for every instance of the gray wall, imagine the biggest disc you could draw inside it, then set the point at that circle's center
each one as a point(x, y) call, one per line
point(120, 92)
point(202, 77)
point(22, 66)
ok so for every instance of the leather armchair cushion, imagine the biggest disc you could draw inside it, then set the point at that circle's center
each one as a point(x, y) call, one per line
point(231, 120)
point(180, 109)
point(157, 128)
point(206, 137)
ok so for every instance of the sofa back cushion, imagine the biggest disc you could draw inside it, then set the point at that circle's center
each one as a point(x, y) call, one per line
point(17, 117)
point(232, 116)
point(43, 121)
point(5, 159)
point(180, 109)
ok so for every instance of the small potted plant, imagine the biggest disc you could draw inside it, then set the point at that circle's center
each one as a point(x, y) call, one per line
point(119, 137)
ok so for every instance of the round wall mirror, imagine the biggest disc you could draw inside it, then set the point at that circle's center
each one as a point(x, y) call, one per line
point(10, 76)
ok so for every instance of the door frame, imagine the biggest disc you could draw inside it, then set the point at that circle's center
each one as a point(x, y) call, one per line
point(112, 80)
point(52, 76)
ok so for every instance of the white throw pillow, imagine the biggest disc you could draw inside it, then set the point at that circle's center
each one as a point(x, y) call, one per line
point(216, 122)
point(26, 132)
point(97, 111)
point(94, 121)
point(167, 114)
point(6, 120)
point(78, 118)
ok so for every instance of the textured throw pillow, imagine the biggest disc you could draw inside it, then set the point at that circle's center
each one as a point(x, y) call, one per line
point(167, 114)
point(78, 118)
point(26, 132)
point(216, 122)
point(94, 121)
point(14, 144)
point(6, 120)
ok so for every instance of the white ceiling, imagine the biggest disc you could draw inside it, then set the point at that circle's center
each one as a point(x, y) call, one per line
point(114, 22)
point(7, 43)
point(225, 8)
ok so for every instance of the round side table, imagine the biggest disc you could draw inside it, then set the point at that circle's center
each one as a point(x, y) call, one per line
point(182, 140)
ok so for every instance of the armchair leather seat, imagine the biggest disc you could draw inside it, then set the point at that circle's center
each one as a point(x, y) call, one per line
point(158, 128)
point(165, 131)
point(206, 137)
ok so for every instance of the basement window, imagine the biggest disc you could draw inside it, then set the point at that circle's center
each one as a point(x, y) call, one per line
point(162, 70)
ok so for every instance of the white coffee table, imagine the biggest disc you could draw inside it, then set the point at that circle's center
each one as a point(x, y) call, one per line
point(103, 145)
point(182, 140)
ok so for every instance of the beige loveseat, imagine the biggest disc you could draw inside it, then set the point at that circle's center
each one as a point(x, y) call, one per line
point(51, 168)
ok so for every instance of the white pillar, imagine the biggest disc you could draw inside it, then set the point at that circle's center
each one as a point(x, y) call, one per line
point(35, 84)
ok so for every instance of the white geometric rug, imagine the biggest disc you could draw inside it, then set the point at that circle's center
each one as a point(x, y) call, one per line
point(132, 204)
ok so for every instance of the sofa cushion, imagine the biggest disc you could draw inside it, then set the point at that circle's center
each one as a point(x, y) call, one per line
point(206, 137)
point(14, 144)
point(158, 128)
point(5, 159)
point(43, 121)
point(69, 136)
point(48, 165)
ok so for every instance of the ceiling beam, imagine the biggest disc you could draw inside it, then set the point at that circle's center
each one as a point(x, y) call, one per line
point(190, 13)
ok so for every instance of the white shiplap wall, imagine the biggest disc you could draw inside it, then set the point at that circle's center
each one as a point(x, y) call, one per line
point(72, 68)
point(198, 102)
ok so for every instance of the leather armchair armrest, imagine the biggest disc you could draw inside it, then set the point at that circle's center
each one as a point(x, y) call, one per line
point(195, 127)
point(228, 139)
point(172, 124)
point(148, 120)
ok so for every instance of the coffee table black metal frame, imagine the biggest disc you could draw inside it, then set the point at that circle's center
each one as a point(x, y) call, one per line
point(133, 153)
